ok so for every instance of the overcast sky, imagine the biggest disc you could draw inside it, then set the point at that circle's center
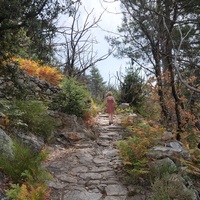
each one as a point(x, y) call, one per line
point(109, 21)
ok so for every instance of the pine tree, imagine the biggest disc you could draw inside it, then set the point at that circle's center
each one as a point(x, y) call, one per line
point(96, 84)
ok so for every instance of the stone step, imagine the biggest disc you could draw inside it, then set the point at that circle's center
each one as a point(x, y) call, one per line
point(91, 170)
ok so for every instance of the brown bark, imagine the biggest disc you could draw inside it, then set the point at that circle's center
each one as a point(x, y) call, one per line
point(167, 62)
point(158, 74)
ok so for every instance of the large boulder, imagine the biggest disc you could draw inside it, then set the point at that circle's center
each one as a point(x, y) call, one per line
point(33, 142)
point(70, 128)
point(157, 165)
point(5, 144)
point(170, 179)
point(169, 147)
point(124, 105)
point(176, 187)
point(173, 150)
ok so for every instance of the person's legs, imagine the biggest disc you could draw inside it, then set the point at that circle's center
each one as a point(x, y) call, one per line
point(110, 118)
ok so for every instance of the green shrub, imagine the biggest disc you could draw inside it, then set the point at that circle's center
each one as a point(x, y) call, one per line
point(35, 115)
point(9, 108)
point(161, 170)
point(72, 99)
point(25, 164)
point(171, 187)
point(133, 149)
point(28, 192)
point(133, 155)
point(31, 114)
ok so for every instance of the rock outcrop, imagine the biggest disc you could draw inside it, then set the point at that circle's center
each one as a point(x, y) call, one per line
point(15, 83)
point(70, 128)
point(5, 144)
point(169, 170)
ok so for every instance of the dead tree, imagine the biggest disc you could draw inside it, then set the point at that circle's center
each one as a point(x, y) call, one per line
point(77, 47)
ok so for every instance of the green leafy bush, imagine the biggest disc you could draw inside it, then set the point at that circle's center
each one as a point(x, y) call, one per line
point(31, 114)
point(133, 149)
point(171, 187)
point(25, 164)
point(8, 108)
point(132, 89)
point(28, 192)
point(161, 170)
point(35, 115)
point(72, 99)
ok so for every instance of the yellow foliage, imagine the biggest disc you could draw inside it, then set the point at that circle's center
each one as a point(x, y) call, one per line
point(4, 121)
point(133, 150)
point(30, 66)
point(127, 121)
point(7, 120)
point(47, 73)
point(191, 167)
point(31, 193)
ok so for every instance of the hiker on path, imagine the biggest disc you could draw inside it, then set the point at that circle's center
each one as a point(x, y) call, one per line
point(110, 106)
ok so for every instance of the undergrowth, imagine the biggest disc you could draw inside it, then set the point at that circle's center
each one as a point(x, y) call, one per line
point(134, 148)
point(35, 115)
point(28, 175)
point(171, 186)
point(72, 99)
point(90, 114)
point(31, 115)
point(166, 181)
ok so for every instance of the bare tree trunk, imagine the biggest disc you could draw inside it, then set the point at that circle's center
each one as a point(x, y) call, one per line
point(178, 103)
point(165, 113)
point(158, 74)
point(168, 66)
point(168, 69)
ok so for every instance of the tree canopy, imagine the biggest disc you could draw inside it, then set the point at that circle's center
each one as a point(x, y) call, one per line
point(27, 27)
point(96, 84)
point(162, 37)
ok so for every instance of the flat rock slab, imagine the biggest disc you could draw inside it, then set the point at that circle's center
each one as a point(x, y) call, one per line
point(115, 198)
point(103, 143)
point(101, 169)
point(113, 134)
point(100, 161)
point(105, 137)
point(91, 176)
point(57, 185)
point(67, 178)
point(79, 169)
point(110, 152)
point(114, 190)
point(82, 195)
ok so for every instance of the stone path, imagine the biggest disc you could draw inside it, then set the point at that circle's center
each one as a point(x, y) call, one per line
point(90, 169)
